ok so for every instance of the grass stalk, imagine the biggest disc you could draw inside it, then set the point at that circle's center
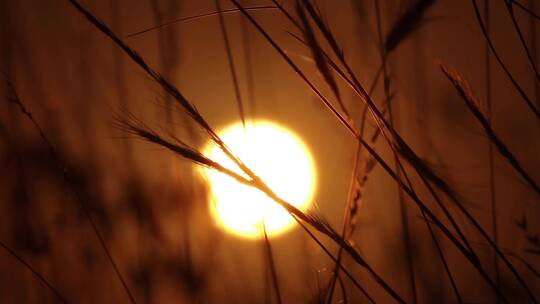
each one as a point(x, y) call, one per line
point(249, 70)
point(195, 17)
point(502, 148)
point(514, 82)
point(14, 98)
point(510, 10)
point(41, 278)
point(529, 10)
point(184, 151)
point(491, 167)
point(471, 102)
point(271, 264)
point(409, 264)
point(405, 150)
point(230, 61)
point(534, 46)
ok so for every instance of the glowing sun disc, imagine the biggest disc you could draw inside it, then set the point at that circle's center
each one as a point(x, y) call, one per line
point(280, 159)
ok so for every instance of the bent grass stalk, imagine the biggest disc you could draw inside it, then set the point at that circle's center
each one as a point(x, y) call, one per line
point(426, 174)
point(397, 144)
point(255, 181)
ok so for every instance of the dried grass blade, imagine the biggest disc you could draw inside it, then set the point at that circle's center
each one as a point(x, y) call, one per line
point(464, 91)
point(196, 17)
point(325, 30)
point(271, 265)
point(318, 55)
point(34, 272)
point(526, 9)
point(472, 103)
point(514, 82)
point(230, 61)
point(532, 63)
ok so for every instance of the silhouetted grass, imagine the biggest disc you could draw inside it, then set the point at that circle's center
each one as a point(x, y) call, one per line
point(13, 97)
point(366, 113)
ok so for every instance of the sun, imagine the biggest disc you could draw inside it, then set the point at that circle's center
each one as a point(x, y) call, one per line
point(280, 159)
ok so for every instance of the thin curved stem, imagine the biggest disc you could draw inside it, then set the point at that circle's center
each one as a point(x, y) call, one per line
point(195, 17)
point(520, 90)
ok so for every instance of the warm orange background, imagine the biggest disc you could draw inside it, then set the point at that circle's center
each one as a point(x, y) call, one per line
point(74, 80)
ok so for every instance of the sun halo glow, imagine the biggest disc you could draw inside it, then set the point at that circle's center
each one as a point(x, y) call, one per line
point(280, 159)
